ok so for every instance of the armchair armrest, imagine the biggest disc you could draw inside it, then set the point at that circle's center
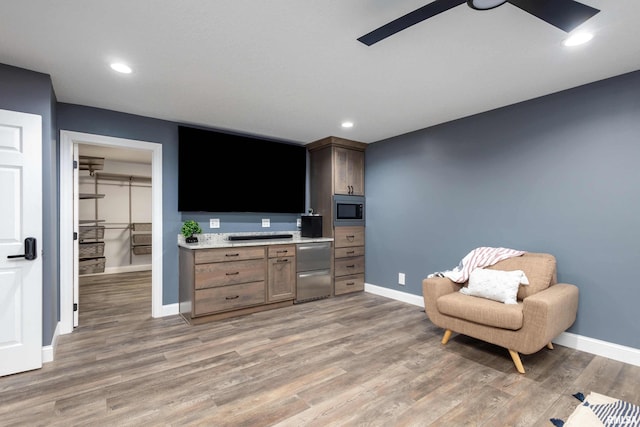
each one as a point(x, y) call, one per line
point(550, 312)
point(432, 289)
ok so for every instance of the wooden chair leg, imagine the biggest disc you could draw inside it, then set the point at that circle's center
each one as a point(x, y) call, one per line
point(447, 335)
point(516, 361)
point(550, 345)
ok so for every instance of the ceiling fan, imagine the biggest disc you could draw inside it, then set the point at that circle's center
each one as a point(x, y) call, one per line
point(564, 14)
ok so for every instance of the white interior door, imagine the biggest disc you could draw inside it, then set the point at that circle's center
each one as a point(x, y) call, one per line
point(20, 218)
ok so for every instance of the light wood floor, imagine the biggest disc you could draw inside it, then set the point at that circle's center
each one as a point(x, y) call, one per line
point(360, 360)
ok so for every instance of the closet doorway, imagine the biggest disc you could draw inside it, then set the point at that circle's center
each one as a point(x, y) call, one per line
point(129, 173)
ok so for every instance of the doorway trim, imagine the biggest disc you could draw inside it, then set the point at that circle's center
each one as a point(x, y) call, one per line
point(67, 140)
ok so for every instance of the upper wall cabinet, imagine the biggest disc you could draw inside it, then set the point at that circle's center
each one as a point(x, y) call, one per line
point(349, 171)
point(340, 162)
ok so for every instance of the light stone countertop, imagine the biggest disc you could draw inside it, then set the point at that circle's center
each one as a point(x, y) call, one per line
point(221, 240)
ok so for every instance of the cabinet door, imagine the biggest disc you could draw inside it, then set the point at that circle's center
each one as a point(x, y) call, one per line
point(349, 266)
point(349, 171)
point(282, 279)
point(349, 284)
point(226, 298)
point(347, 237)
point(228, 273)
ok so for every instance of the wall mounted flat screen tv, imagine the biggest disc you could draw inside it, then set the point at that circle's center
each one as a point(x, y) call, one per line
point(222, 172)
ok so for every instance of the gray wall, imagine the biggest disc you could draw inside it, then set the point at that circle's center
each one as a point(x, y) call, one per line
point(243, 222)
point(110, 123)
point(31, 92)
point(557, 174)
point(120, 125)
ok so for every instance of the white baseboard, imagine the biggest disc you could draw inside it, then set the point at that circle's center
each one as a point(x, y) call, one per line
point(170, 309)
point(606, 349)
point(394, 294)
point(48, 351)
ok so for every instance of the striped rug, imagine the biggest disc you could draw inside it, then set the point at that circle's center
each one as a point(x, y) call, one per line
point(597, 410)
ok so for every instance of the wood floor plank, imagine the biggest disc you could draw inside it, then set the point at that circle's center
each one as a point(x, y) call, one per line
point(353, 360)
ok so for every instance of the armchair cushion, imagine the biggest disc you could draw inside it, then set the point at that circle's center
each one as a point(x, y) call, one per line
point(482, 311)
point(540, 269)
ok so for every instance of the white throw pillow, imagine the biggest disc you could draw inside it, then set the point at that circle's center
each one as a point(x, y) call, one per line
point(496, 285)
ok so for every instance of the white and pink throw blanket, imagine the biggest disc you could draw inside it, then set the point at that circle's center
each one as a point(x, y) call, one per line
point(477, 258)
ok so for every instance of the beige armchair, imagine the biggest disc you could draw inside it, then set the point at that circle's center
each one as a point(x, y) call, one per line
point(544, 308)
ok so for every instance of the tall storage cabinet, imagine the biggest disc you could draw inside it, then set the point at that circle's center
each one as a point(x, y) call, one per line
point(337, 168)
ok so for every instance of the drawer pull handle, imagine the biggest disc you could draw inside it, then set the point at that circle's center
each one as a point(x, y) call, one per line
point(351, 283)
point(351, 266)
point(351, 252)
point(233, 274)
point(282, 252)
point(283, 260)
point(234, 297)
point(351, 237)
point(231, 254)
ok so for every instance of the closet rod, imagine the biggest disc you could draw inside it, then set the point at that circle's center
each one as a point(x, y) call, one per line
point(122, 183)
point(122, 177)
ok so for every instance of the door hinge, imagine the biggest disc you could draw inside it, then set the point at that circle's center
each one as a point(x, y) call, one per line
point(75, 306)
point(75, 235)
point(75, 164)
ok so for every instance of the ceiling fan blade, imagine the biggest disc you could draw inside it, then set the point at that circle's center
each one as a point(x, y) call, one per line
point(411, 18)
point(564, 14)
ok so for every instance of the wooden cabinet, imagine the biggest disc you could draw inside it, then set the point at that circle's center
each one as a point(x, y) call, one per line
point(227, 279)
point(349, 260)
point(282, 273)
point(337, 168)
point(226, 282)
point(348, 177)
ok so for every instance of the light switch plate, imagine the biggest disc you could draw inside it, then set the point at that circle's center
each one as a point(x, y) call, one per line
point(401, 279)
point(266, 222)
point(214, 223)
point(299, 222)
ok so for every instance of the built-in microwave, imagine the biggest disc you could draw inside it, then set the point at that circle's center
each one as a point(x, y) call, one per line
point(348, 210)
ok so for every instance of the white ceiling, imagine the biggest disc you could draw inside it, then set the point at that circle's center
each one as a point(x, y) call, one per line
point(293, 69)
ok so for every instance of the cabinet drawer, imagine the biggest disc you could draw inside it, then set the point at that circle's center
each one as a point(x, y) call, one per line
point(228, 297)
point(204, 256)
point(347, 284)
point(348, 266)
point(279, 251)
point(349, 236)
point(349, 252)
point(229, 273)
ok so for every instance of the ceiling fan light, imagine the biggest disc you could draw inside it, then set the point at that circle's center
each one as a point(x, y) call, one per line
point(485, 4)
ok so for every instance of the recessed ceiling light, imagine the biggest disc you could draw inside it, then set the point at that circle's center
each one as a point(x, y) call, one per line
point(578, 39)
point(121, 68)
point(347, 125)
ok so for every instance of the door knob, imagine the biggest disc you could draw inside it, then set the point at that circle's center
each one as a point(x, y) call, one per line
point(30, 251)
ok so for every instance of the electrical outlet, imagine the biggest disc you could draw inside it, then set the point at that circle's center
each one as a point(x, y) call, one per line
point(266, 223)
point(299, 222)
point(214, 223)
point(401, 279)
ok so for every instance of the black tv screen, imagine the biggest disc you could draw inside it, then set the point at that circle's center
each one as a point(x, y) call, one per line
point(222, 172)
